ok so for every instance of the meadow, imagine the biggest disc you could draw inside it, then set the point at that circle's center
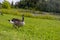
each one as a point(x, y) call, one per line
point(34, 29)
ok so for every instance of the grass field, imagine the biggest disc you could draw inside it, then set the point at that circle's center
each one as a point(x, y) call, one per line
point(34, 29)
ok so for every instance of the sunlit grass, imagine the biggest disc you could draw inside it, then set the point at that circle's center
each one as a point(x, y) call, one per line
point(34, 29)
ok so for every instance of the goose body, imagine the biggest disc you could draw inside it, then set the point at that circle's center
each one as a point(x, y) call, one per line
point(17, 22)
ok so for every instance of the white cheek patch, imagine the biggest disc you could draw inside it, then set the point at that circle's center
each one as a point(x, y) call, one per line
point(23, 23)
point(11, 22)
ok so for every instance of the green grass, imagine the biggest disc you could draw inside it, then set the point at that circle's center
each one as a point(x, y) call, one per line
point(34, 29)
point(28, 14)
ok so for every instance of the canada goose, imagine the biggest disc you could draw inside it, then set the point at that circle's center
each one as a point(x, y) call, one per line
point(17, 22)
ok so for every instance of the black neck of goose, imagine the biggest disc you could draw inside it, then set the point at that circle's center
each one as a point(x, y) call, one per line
point(22, 18)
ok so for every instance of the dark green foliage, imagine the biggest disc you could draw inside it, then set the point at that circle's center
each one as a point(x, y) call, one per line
point(12, 5)
point(42, 5)
point(6, 4)
point(0, 5)
point(27, 4)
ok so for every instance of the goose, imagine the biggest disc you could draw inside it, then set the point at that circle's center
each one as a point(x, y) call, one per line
point(17, 22)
